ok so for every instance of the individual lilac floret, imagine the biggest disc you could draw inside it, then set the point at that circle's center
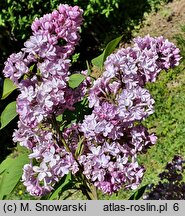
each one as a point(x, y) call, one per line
point(15, 67)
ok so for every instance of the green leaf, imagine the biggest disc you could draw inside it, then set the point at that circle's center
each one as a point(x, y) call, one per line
point(8, 114)
point(98, 61)
point(75, 80)
point(2, 23)
point(8, 88)
point(111, 46)
point(64, 184)
point(10, 173)
point(81, 109)
point(5, 164)
point(139, 193)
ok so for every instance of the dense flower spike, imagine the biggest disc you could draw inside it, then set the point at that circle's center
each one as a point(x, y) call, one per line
point(41, 72)
point(105, 145)
point(120, 102)
point(108, 166)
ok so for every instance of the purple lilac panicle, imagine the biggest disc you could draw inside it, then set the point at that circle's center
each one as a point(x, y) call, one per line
point(113, 135)
point(120, 103)
point(41, 72)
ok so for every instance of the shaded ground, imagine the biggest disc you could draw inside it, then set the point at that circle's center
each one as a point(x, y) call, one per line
point(166, 22)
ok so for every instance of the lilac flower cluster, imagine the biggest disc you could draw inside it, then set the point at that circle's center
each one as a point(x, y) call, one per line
point(120, 102)
point(104, 146)
point(41, 72)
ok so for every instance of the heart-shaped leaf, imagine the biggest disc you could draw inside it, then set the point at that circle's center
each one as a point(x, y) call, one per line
point(111, 46)
point(8, 114)
point(8, 88)
point(75, 80)
point(10, 173)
